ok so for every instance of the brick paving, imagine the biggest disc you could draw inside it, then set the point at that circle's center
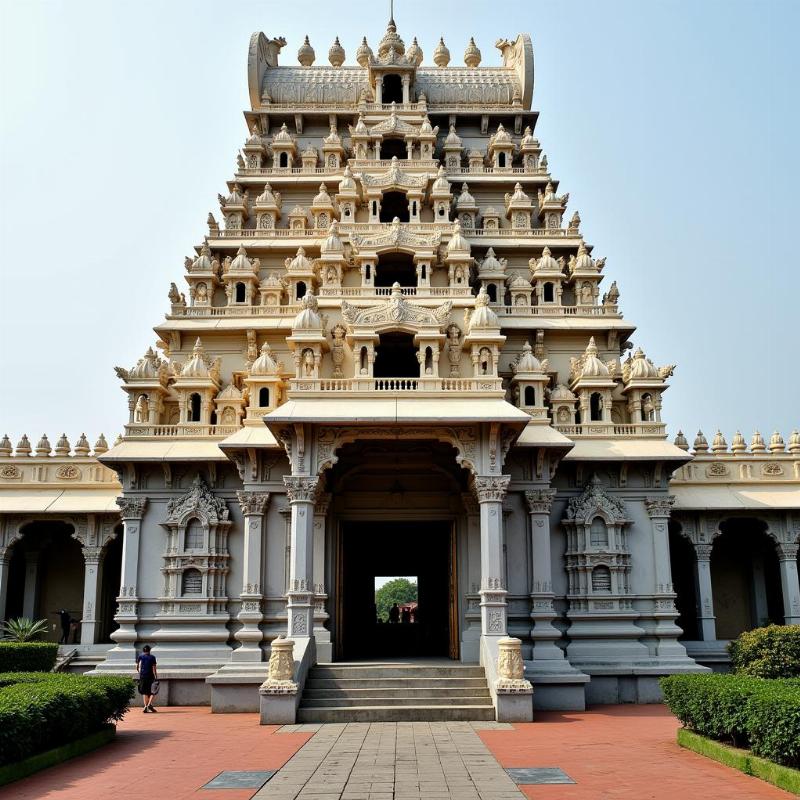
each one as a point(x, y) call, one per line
point(613, 753)
point(620, 753)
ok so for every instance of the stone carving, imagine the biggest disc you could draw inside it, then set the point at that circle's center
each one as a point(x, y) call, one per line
point(394, 178)
point(659, 506)
point(281, 668)
point(396, 236)
point(510, 669)
point(539, 501)
point(253, 502)
point(454, 350)
point(301, 489)
point(131, 507)
point(491, 488)
point(596, 499)
point(68, 472)
point(198, 501)
point(10, 471)
point(337, 350)
point(396, 309)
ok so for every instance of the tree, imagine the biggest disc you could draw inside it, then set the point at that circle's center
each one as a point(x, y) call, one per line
point(400, 590)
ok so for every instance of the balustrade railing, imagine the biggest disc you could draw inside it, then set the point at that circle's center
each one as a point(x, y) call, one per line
point(181, 430)
point(612, 429)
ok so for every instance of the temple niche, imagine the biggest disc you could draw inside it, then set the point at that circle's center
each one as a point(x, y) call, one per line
point(393, 351)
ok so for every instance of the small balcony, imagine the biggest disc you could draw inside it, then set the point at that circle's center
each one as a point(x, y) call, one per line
point(186, 430)
point(603, 430)
point(404, 386)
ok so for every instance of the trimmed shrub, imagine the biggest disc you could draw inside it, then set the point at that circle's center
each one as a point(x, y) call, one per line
point(27, 656)
point(40, 711)
point(774, 724)
point(771, 652)
point(747, 712)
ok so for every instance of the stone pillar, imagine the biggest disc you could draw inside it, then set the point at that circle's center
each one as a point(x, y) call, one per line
point(787, 555)
point(131, 512)
point(705, 596)
point(302, 494)
point(92, 557)
point(5, 558)
point(490, 491)
point(544, 634)
point(321, 633)
point(254, 507)
point(31, 584)
point(664, 612)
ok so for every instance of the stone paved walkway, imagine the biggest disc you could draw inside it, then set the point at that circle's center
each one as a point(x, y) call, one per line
point(393, 761)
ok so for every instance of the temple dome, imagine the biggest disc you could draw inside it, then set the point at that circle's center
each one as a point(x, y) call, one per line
point(307, 318)
point(391, 42)
point(265, 364)
point(332, 244)
point(266, 198)
point(146, 367)
point(453, 138)
point(441, 185)
point(641, 366)
point(584, 262)
point(300, 263)
point(465, 199)
point(283, 136)
point(348, 182)
point(483, 316)
point(414, 53)
point(322, 198)
point(547, 263)
point(241, 263)
point(592, 366)
point(457, 243)
point(196, 366)
point(364, 53)
point(528, 361)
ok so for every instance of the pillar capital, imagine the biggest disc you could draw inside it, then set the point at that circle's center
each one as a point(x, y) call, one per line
point(301, 489)
point(491, 488)
point(131, 507)
point(659, 506)
point(253, 503)
point(539, 501)
point(787, 551)
point(703, 551)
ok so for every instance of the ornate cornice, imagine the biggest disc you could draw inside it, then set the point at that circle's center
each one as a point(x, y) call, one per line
point(199, 501)
point(131, 507)
point(397, 309)
point(491, 488)
point(301, 489)
point(253, 502)
point(593, 501)
point(540, 501)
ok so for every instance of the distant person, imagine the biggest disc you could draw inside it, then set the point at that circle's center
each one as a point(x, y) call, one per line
point(406, 615)
point(146, 665)
point(394, 614)
point(65, 618)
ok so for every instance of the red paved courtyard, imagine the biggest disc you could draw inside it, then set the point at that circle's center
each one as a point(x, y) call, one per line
point(625, 752)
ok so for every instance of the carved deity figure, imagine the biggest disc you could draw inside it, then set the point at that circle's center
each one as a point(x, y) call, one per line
point(485, 361)
point(202, 294)
point(307, 366)
point(587, 296)
point(337, 351)
point(140, 413)
point(454, 350)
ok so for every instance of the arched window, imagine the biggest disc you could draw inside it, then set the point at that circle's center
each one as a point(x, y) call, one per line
point(601, 579)
point(368, 271)
point(598, 533)
point(428, 361)
point(263, 397)
point(363, 361)
point(414, 209)
point(195, 537)
point(596, 407)
point(192, 582)
point(241, 292)
point(491, 290)
point(441, 210)
point(396, 356)
point(392, 89)
point(501, 159)
point(648, 408)
point(423, 272)
point(194, 407)
point(283, 160)
point(394, 204)
point(396, 268)
point(530, 396)
point(549, 293)
point(301, 289)
point(374, 207)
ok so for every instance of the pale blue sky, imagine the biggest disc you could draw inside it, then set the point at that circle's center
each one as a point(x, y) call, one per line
point(673, 126)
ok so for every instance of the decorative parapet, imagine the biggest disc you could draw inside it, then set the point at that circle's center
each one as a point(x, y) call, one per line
point(281, 669)
point(510, 669)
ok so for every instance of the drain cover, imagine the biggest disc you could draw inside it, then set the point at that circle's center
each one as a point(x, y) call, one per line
point(540, 775)
point(240, 780)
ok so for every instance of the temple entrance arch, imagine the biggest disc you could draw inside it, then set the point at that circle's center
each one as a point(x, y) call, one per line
point(395, 267)
point(393, 147)
point(396, 512)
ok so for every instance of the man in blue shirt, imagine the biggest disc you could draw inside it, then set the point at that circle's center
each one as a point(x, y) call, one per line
point(146, 665)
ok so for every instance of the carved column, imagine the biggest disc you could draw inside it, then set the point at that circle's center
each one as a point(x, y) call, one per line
point(321, 633)
point(254, 508)
point(544, 634)
point(490, 491)
point(787, 555)
point(302, 494)
point(131, 512)
point(705, 595)
point(5, 558)
point(31, 589)
point(93, 537)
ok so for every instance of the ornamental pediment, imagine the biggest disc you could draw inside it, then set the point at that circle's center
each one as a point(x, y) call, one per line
point(393, 124)
point(394, 178)
point(395, 236)
point(396, 309)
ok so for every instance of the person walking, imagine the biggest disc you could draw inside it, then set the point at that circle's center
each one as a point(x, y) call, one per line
point(146, 665)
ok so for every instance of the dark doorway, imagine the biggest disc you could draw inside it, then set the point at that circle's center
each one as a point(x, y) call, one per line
point(682, 560)
point(391, 148)
point(419, 549)
point(396, 268)
point(396, 357)
point(392, 89)
point(394, 204)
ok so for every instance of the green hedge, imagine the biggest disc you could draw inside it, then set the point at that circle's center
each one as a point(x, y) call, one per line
point(763, 715)
point(27, 656)
point(41, 711)
point(771, 652)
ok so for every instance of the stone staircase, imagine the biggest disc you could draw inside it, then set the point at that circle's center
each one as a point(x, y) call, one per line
point(375, 692)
